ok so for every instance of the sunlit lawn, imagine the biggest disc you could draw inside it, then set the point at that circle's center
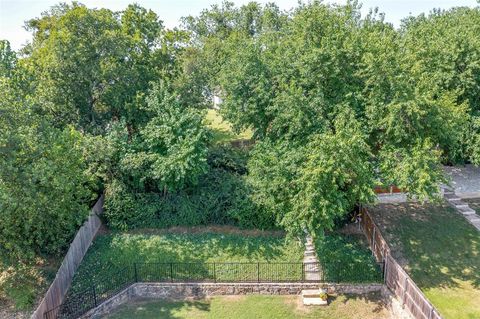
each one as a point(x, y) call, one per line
point(258, 307)
point(222, 130)
point(440, 250)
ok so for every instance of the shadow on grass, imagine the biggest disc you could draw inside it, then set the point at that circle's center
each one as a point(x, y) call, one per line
point(160, 309)
point(436, 245)
point(345, 258)
point(369, 298)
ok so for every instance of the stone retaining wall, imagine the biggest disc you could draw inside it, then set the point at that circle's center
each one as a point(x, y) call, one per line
point(201, 290)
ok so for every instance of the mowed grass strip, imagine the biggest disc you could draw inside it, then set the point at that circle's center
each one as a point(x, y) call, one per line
point(112, 253)
point(440, 250)
point(368, 306)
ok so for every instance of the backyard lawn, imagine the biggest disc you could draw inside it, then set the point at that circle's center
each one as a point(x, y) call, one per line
point(344, 258)
point(23, 285)
point(259, 307)
point(184, 245)
point(347, 258)
point(222, 130)
point(440, 250)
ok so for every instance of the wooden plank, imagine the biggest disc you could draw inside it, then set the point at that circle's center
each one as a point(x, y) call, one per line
point(396, 278)
point(78, 247)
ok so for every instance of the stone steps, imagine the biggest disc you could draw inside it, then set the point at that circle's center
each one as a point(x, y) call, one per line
point(459, 205)
point(312, 269)
point(462, 208)
point(466, 211)
point(311, 297)
point(473, 218)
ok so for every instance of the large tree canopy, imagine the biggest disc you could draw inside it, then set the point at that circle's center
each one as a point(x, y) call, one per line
point(321, 65)
point(337, 102)
point(92, 66)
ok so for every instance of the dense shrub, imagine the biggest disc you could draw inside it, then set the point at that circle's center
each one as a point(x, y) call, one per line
point(43, 190)
point(228, 158)
point(221, 197)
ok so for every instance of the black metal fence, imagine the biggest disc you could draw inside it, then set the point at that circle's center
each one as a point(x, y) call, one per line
point(79, 303)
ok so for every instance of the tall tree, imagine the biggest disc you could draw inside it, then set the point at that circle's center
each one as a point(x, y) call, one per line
point(93, 66)
point(327, 65)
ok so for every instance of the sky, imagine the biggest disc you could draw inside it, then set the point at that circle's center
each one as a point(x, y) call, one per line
point(13, 13)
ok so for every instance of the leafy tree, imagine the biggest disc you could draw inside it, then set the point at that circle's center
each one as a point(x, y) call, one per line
point(327, 65)
point(441, 54)
point(91, 66)
point(43, 193)
point(308, 187)
point(8, 59)
point(170, 151)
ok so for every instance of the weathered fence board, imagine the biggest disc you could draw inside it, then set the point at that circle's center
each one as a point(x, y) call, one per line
point(79, 246)
point(396, 278)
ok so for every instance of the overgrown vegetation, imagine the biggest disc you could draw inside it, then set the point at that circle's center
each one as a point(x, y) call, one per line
point(124, 249)
point(334, 102)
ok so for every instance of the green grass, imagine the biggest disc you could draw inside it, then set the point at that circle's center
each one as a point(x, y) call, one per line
point(259, 307)
point(440, 250)
point(123, 249)
point(21, 285)
point(222, 130)
point(346, 258)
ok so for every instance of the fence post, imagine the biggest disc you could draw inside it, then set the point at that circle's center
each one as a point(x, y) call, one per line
point(258, 272)
point(373, 242)
point(385, 270)
point(303, 272)
point(214, 274)
point(135, 271)
point(404, 292)
point(171, 272)
point(94, 296)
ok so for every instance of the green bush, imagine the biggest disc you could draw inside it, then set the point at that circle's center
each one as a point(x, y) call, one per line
point(221, 197)
point(228, 158)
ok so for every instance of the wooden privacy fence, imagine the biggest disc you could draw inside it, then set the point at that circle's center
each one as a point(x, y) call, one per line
point(396, 279)
point(79, 246)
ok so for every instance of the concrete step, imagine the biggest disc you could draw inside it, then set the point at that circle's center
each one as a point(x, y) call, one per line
point(314, 302)
point(449, 196)
point(311, 292)
point(312, 269)
point(473, 218)
point(466, 211)
point(311, 297)
point(454, 199)
point(309, 253)
point(459, 205)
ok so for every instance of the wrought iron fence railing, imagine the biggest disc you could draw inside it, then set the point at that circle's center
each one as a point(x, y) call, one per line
point(103, 288)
